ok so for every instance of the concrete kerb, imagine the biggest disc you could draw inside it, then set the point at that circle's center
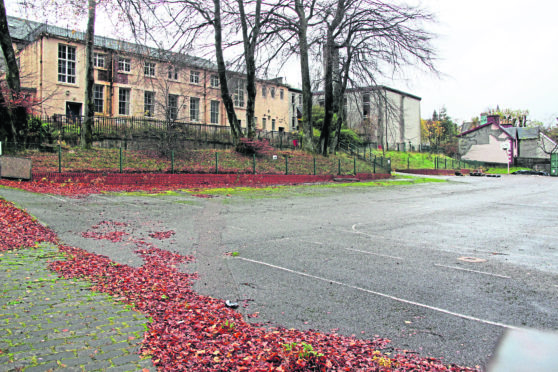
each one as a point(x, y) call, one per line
point(50, 323)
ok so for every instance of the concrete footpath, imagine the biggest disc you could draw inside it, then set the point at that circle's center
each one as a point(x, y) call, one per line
point(49, 323)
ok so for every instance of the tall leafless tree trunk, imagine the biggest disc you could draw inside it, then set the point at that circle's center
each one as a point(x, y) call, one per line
point(302, 30)
point(329, 60)
point(250, 41)
point(87, 124)
point(222, 71)
point(339, 98)
point(17, 113)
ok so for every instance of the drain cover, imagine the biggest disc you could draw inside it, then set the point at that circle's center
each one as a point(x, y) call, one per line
point(472, 259)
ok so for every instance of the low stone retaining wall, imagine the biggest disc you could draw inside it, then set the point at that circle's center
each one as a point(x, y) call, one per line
point(195, 180)
point(434, 172)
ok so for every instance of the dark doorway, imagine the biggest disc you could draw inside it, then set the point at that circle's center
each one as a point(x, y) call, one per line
point(73, 110)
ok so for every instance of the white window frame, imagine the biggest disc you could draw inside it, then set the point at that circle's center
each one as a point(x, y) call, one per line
point(214, 81)
point(148, 103)
point(264, 91)
point(365, 105)
point(172, 108)
point(272, 92)
point(194, 77)
point(124, 64)
point(194, 109)
point(98, 98)
point(67, 60)
point(99, 60)
point(238, 96)
point(124, 100)
point(149, 69)
point(214, 112)
point(172, 73)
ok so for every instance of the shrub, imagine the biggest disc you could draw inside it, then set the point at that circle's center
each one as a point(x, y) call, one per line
point(350, 136)
point(249, 146)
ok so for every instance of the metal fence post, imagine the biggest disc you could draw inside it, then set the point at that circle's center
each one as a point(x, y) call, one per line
point(286, 165)
point(254, 163)
point(354, 166)
point(172, 161)
point(59, 159)
point(120, 160)
point(216, 163)
point(339, 166)
point(409, 162)
point(314, 165)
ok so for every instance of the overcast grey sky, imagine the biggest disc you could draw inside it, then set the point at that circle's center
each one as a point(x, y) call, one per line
point(491, 52)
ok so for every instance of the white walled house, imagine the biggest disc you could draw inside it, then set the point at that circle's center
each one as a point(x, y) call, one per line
point(387, 117)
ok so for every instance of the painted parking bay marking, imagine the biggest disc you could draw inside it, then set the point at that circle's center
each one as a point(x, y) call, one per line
point(394, 298)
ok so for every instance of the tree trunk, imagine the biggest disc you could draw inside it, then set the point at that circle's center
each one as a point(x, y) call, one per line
point(328, 94)
point(17, 114)
point(340, 99)
point(329, 49)
point(87, 124)
point(250, 42)
point(307, 139)
point(222, 71)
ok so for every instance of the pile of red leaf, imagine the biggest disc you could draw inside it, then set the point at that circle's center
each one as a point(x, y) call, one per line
point(103, 231)
point(162, 234)
point(191, 332)
point(194, 332)
point(18, 229)
point(78, 189)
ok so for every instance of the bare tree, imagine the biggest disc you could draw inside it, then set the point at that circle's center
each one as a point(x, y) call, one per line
point(372, 39)
point(87, 124)
point(17, 114)
point(190, 20)
point(291, 24)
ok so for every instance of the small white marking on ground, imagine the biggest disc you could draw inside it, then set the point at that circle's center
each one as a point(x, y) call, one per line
point(398, 299)
point(54, 197)
point(69, 201)
point(376, 236)
point(311, 242)
point(474, 271)
point(112, 200)
point(375, 254)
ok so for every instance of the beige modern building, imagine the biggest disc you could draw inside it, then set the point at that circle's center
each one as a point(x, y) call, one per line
point(132, 80)
point(385, 116)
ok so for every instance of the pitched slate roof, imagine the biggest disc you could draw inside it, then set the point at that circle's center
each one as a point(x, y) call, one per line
point(523, 133)
point(26, 30)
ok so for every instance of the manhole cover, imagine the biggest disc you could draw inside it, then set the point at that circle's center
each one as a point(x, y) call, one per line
point(472, 259)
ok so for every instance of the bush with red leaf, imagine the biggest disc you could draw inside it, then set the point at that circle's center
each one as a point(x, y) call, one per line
point(249, 146)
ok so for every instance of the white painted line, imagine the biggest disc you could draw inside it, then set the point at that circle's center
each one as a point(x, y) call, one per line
point(376, 236)
point(57, 198)
point(69, 201)
point(474, 271)
point(463, 316)
point(375, 254)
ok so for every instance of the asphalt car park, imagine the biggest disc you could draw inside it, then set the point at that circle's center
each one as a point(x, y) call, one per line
point(442, 269)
